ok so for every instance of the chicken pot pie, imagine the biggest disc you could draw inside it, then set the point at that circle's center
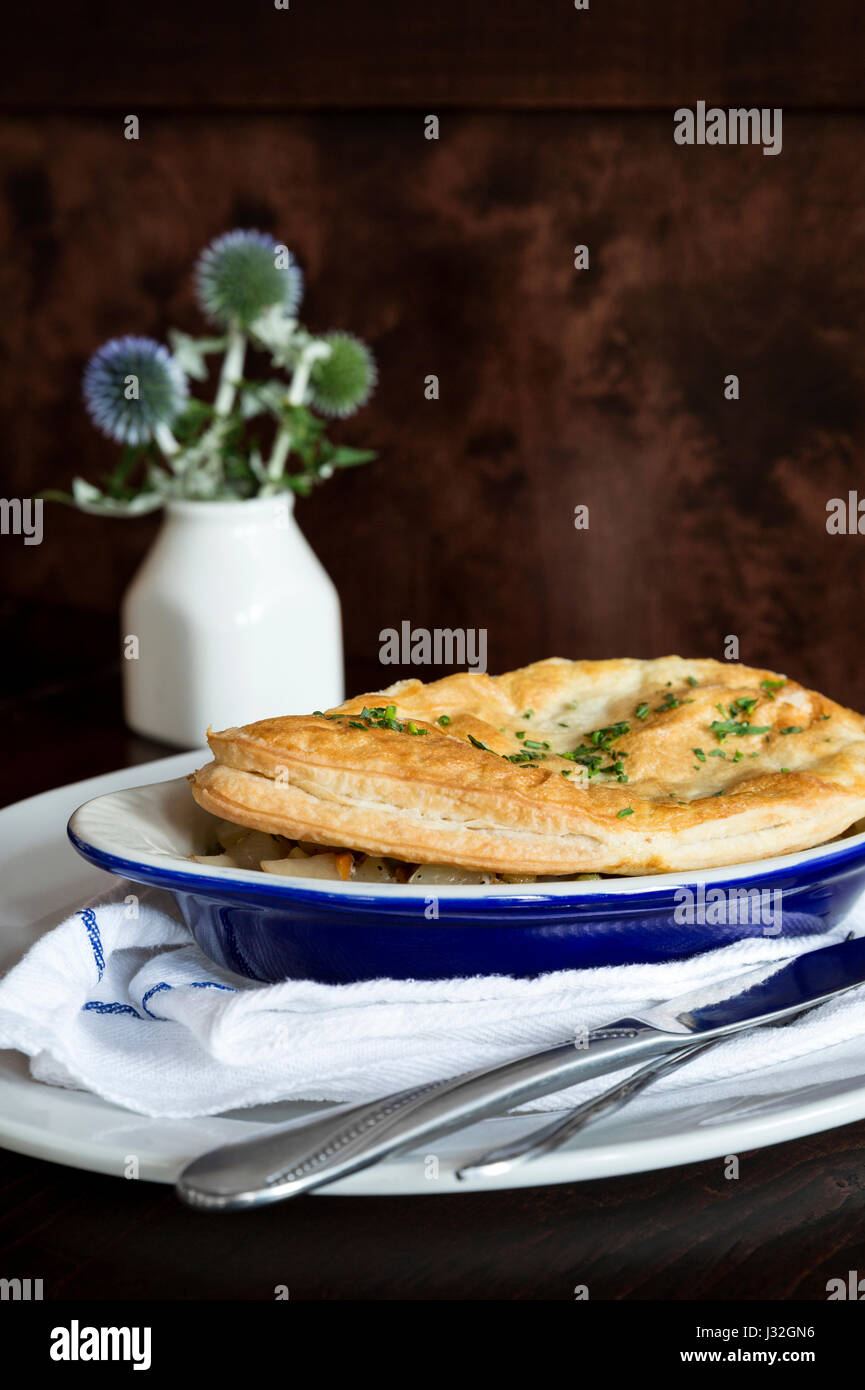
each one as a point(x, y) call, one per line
point(561, 768)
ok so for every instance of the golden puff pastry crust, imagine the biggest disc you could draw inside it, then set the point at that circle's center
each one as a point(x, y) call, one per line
point(619, 767)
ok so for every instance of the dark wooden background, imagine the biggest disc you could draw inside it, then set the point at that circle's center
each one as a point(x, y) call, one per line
point(455, 257)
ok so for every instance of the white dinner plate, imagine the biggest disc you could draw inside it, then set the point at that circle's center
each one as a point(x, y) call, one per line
point(42, 880)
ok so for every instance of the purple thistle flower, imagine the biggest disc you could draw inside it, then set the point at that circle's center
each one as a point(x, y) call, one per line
point(132, 386)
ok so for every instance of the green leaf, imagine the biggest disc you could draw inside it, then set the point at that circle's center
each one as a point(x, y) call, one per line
point(53, 494)
point(259, 396)
point(88, 498)
point(343, 457)
point(190, 352)
point(195, 419)
point(299, 483)
point(275, 330)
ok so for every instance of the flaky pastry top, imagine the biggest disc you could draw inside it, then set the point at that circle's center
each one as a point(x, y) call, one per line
point(623, 766)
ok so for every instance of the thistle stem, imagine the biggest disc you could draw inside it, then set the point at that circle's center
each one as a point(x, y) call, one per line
point(232, 371)
point(278, 454)
point(312, 353)
point(167, 443)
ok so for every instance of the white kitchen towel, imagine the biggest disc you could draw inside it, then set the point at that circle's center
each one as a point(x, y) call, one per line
point(120, 1001)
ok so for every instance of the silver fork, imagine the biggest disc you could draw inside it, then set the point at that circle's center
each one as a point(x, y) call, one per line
point(552, 1136)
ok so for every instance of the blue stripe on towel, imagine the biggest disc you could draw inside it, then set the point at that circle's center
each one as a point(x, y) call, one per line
point(193, 984)
point(163, 984)
point(96, 1007)
point(88, 916)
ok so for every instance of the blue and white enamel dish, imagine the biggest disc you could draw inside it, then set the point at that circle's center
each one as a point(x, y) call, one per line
point(268, 927)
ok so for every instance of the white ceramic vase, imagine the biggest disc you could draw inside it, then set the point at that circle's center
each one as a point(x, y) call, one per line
point(230, 618)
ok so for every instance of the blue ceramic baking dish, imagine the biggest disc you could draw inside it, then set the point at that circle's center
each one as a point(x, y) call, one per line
point(273, 928)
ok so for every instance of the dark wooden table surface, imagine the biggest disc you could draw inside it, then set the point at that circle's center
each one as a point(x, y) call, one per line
point(794, 1219)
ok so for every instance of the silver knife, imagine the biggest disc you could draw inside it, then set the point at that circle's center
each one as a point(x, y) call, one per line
point(311, 1152)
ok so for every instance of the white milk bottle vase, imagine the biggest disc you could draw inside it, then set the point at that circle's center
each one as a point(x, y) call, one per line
point(231, 618)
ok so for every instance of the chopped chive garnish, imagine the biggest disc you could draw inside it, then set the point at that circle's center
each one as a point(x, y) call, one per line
point(792, 729)
point(443, 719)
point(603, 738)
point(382, 717)
point(588, 758)
point(692, 681)
point(642, 710)
point(476, 743)
point(771, 686)
point(722, 727)
point(628, 811)
point(698, 752)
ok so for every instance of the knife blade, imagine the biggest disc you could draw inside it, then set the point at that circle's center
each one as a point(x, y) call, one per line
point(311, 1152)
